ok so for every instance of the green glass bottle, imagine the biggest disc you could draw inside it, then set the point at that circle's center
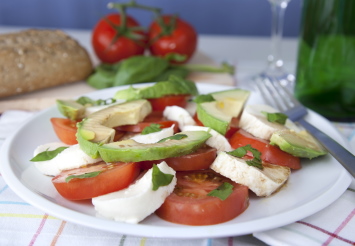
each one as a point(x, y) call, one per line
point(325, 72)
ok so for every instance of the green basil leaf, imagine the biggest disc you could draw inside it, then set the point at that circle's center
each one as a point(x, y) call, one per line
point(159, 178)
point(86, 101)
point(82, 176)
point(48, 154)
point(204, 98)
point(242, 151)
point(151, 129)
point(174, 137)
point(279, 118)
point(222, 192)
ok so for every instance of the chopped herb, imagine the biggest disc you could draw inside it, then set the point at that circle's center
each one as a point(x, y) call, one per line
point(222, 192)
point(151, 129)
point(204, 98)
point(88, 101)
point(159, 178)
point(174, 137)
point(82, 176)
point(279, 118)
point(48, 154)
point(242, 151)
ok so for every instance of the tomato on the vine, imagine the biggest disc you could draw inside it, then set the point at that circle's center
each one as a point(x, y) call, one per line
point(112, 42)
point(177, 36)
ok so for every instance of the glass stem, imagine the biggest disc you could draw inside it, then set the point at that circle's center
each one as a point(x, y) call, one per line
point(278, 8)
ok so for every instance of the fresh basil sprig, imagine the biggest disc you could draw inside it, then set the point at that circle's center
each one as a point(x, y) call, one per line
point(88, 101)
point(174, 137)
point(82, 176)
point(222, 192)
point(151, 129)
point(48, 154)
point(279, 118)
point(242, 151)
point(159, 178)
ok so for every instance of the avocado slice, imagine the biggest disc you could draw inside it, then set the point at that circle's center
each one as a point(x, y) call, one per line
point(219, 113)
point(300, 144)
point(174, 86)
point(130, 150)
point(97, 129)
point(71, 109)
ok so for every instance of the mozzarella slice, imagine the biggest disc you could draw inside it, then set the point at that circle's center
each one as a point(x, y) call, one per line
point(155, 136)
point(179, 114)
point(217, 141)
point(256, 123)
point(72, 157)
point(262, 182)
point(136, 202)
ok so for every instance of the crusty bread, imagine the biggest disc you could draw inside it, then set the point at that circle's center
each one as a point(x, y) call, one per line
point(35, 59)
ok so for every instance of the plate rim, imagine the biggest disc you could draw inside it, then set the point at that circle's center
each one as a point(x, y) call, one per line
point(224, 230)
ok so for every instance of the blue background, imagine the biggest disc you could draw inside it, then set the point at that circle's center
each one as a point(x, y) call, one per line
point(223, 17)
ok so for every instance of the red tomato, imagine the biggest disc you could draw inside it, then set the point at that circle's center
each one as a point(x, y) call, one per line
point(190, 205)
point(269, 153)
point(110, 50)
point(159, 104)
point(65, 130)
point(200, 159)
point(154, 117)
point(112, 177)
point(181, 40)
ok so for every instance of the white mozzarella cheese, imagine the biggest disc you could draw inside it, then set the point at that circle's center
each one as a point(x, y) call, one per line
point(179, 114)
point(217, 140)
point(155, 136)
point(72, 157)
point(136, 202)
point(262, 182)
point(256, 123)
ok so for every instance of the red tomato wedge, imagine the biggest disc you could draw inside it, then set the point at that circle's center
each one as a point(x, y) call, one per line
point(154, 117)
point(269, 153)
point(65, 130)
point(159, 104)
point(190, 205)
point(201, 159)
point(112, 177)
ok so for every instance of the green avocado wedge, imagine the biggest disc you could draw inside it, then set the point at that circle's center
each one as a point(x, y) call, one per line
point(174, 86)
point(97, 128)
point(71, 109)
point(300, 144)
point(131, 151)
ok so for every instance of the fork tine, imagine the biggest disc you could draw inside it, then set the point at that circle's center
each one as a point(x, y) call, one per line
point(271, 94)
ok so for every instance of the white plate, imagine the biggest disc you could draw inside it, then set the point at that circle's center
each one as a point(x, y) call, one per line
point(319, 183)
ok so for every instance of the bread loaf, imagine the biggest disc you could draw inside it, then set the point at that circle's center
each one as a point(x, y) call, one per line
point(35, 59)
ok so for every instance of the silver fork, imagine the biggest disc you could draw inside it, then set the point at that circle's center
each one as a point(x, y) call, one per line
point(277, 95)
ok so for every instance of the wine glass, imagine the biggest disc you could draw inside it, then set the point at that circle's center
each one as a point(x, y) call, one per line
point(275, 69)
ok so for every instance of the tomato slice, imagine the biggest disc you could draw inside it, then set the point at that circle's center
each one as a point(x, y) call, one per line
point(190, 205)
point(159, 104)
point(154, 117)
point(269, 153)
point(200, 159)
point(65, 130)
point(112, 177)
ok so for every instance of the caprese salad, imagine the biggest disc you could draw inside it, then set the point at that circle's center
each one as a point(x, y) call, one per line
point(189, 158)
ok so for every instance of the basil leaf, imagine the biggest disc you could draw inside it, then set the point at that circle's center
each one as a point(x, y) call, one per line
point(88, 101)
point(204, 98)
point(242, 151)
point(279, 118)
point(174, 137)
point(151, 129)
point(48, 154)
point(82, 176)
point(222, 192)
point(159, 178)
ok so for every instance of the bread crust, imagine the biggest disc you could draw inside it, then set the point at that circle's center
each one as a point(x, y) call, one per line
point(35, 59)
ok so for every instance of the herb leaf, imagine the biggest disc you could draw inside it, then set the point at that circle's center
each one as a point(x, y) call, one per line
point(204, 98)
point(159, 178)
point(222, 192)
point(88, 101)
point(242, 151)
point(151, 129)
point(174, 137)
point(82, 176)
point(48, 154)
point(279, 118)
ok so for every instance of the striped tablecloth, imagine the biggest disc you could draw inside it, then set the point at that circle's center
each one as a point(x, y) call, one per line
point(23, 224)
